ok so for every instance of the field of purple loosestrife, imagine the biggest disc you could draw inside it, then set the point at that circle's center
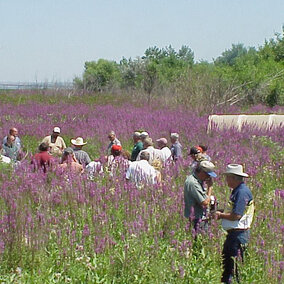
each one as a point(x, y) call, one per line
point(66, 228)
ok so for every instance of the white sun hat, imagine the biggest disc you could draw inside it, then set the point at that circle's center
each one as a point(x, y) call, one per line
point(174, 135)
point(235, 169)
point(144, 134)
point(79, 141)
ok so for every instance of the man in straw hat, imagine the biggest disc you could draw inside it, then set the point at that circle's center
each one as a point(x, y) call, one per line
point(81, 156)
point(196, 199)
point(236, 220)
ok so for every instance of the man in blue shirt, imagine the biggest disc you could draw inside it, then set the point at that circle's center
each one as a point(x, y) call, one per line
point(236, 220)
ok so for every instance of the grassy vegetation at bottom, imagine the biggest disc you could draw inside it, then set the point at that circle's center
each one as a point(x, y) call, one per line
point(169, 256)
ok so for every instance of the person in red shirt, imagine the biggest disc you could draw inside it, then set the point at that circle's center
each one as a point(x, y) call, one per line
point(43, 158)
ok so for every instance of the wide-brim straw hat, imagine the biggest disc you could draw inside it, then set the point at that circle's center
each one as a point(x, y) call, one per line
point(235, 169)
point(79, 141)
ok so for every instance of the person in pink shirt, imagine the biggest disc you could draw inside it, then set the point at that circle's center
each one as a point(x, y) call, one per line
point(69, 161)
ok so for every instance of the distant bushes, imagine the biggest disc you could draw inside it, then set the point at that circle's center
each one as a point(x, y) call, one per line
point(240, 75)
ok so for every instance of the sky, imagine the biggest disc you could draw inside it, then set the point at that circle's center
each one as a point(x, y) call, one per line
point(50, 40)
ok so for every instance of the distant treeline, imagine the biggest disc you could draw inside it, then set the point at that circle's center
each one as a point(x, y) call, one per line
point(241, 75)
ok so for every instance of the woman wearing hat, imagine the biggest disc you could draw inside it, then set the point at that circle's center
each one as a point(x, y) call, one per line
point(55, 142)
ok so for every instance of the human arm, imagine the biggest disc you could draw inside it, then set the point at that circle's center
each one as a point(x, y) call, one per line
point(206, 202)
point(87, 159)
point(228, 216)
point(63, 145)
point(239, 203)
point(196, 194)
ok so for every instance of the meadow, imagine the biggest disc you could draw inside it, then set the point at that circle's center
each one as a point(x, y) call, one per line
point(58, 228)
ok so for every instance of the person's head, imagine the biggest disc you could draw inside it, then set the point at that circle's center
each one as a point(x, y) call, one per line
point(10, 139)
point(111, 136)
point(144, 135)
point(174, 137)
point(43, 147)
point(162, 142)
point(147, 143)
point(68, 154)
point(116, 150)
point(193, 153)
point(136, 136)
point(56, 131)
point(145, 156)
point(204, 148)
point(205, 170)
point(235, 175)
point(126, 154)
point(234, 180)
point(13, 131)
point(78, 143)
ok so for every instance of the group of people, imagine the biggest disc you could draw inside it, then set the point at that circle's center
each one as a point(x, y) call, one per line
point(143, 167)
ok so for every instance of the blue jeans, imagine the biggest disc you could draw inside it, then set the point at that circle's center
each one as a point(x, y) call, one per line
point(234, 246)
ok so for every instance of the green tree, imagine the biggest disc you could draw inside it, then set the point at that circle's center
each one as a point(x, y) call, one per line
point(100, 74)
point(229, 56)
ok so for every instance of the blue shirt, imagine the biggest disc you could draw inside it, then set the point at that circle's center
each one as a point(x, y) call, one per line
point(240, 203)
point(240, 197)
point(176, 150)
point(17, 141)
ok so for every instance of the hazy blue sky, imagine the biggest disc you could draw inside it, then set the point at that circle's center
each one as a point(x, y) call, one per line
point(51, 39)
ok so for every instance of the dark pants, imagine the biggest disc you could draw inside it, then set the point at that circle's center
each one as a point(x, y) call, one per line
point(234, 246)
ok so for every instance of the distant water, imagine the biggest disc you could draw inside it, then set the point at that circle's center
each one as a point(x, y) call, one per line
point(34, 85)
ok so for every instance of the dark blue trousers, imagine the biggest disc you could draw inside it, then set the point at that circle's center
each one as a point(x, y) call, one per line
point(234, 246)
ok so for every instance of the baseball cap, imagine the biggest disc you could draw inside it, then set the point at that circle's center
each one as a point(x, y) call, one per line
point(116, 147)
point(56, 129)
point(208, 167)
point(162, 140)
point(194, 151)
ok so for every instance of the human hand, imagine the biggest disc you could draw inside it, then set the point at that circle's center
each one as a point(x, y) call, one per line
point(217, 215)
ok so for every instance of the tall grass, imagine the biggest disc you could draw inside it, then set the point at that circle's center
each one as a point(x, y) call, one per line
point(64, 228)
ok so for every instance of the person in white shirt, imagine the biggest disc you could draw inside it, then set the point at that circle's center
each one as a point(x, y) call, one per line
point(141, 171)
point(165, 151)
point(148, 147)
point(55, 142)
